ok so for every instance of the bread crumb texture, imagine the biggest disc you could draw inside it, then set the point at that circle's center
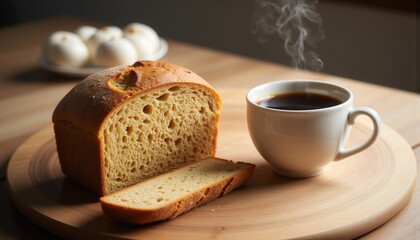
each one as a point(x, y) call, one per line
point(171, 187)
point(156, 132)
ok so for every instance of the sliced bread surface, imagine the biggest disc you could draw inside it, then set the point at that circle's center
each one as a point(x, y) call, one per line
point(171, 194)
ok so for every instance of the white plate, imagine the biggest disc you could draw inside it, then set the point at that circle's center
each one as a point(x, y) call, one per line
point(86, 71)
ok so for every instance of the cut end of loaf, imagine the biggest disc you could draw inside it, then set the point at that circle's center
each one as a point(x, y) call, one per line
point(158, 131)
point(173, 193)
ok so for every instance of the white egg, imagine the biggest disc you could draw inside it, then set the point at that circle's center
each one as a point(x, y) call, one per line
point(143, 46)
point(146, 31)
point(103, 34)
point(66, 49)
point(85, 32)
point(117, 51)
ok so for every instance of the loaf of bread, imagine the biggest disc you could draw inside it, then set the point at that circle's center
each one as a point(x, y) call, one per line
point(123, 125)
point(171, 194)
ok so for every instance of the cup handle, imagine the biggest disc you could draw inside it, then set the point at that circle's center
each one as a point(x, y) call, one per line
point(353, 114)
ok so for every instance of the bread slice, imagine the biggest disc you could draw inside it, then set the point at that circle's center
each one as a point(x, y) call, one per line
point(171, 194)
point(123, 125)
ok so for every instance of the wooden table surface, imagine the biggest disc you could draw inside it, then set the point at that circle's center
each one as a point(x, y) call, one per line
point(28, 95)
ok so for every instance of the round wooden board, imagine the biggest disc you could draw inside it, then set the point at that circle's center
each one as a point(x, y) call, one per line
point(351, 198)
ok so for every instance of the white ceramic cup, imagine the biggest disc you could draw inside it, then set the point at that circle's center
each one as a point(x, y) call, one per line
point(300, 143)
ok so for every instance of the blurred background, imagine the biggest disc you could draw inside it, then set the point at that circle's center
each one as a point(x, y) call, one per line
point(373, 41)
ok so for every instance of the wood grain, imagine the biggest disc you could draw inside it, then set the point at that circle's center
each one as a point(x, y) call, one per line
point(351, 198)
point(406, 225)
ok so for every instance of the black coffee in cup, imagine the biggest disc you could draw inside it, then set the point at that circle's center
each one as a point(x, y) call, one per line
point(298, 101)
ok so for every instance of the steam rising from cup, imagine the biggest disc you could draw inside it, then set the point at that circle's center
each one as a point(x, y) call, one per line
point(292, 21)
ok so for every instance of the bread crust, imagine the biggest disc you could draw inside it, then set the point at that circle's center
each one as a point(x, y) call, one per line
point(86, 107)
point(171, 210)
